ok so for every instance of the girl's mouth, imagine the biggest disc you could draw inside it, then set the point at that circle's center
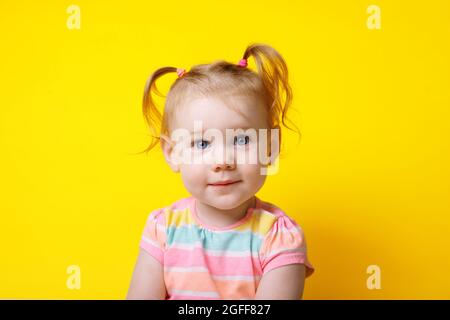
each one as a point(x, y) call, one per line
point(224, 183)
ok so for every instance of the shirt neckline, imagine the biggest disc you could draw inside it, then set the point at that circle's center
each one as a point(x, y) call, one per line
point(193, 211)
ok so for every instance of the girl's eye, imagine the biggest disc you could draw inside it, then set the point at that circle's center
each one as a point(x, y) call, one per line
point(241, 140)
point(201, 144)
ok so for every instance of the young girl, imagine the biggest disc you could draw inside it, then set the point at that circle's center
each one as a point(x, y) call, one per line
point(222, 242)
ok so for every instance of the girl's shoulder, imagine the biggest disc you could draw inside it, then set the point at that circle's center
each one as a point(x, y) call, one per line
point(177, 210)
point(271, 208)
point(271, 217)
point(284, 242)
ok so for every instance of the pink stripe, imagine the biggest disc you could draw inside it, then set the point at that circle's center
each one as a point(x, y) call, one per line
point(282, 243)
point(282, 260)
point(183, 297)
point(152, 250)
point(197, 257)
point(202, 282)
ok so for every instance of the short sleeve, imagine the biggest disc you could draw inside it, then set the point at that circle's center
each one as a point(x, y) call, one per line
point(153, 238)
point(284, 244)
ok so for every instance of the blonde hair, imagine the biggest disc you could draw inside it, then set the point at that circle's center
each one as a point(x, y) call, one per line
point(223, 79)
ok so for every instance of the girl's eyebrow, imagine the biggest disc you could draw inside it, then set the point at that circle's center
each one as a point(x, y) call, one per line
point(233, 128)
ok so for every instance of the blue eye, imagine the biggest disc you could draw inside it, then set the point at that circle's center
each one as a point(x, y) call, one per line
point(241, 140)
point(201, 144)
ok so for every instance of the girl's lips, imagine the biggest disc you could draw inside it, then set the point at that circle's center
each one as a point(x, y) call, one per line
point(224, 183)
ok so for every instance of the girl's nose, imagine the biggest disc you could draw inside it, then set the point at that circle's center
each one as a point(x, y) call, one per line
point(224, 166)
point(224, 161)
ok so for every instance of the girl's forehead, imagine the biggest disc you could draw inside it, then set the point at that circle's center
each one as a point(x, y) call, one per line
point(220, 114)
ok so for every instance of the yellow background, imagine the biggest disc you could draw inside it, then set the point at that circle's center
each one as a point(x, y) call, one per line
point(369, 182)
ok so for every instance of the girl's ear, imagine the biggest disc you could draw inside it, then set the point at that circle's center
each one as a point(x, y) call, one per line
point(167, 146)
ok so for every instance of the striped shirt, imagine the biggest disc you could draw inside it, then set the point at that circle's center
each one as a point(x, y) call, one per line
point(205, 262)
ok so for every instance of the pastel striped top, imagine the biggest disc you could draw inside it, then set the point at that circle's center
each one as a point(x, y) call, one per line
point(205, 262)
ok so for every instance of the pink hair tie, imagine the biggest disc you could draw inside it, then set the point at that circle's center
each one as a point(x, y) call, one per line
point(242, 63)
point(181, 72)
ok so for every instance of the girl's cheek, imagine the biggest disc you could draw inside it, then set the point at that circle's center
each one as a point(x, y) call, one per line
point(247, 155)
point(250, 171)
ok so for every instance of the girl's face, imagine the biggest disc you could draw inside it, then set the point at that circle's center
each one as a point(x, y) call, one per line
point(217, 169)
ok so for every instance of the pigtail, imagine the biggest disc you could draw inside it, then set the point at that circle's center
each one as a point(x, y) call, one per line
point(273, 71)
point(151, 113)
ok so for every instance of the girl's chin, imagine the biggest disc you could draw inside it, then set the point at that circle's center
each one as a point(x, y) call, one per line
point(224, 202)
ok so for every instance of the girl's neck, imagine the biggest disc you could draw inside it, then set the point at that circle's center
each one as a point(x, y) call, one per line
point(219, 218)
